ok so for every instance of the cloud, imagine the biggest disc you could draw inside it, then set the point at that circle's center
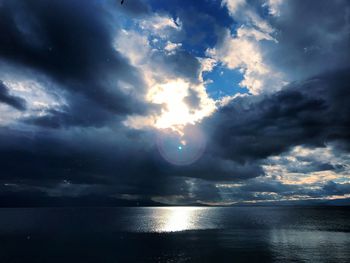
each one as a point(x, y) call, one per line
point(243, 49)
point(160, 25)
point(274, 7)
point(317, 43)
point(309, 112)
point(193, 99)
point(233, 6)
point(172, 77)
point(282, 182)
point(40, 100)
point(170, 47)
point(13, 101)
point(309, 167)
point(87, 89)
point(284, 48)
point(85, 64)
point(244, 53)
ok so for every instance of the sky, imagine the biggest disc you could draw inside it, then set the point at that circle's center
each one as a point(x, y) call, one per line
point(153, 102)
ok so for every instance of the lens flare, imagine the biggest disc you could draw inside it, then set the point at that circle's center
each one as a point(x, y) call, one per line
point(181, 149)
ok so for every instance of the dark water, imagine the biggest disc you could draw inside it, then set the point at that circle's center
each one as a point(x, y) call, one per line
point(239, 234)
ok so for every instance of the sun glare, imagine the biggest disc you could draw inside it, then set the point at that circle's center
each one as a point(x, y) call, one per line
point(179, 140)
point(175, 112)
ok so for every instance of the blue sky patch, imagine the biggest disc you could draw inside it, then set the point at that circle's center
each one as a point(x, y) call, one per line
point(224, 82)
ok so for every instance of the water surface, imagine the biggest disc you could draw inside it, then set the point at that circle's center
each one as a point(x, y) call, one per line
point(175, 234)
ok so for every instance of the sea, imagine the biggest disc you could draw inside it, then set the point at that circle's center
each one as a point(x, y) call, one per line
point(175, 234)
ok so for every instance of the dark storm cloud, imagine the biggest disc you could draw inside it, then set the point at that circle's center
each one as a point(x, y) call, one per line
point(81, 157)
point(118, 162)
point(312, 113)
point(127, 161)
point(13, 101)
point(332, 188)
point(313, 166)
point(218, 168)
point(312, 38)
point(72, 43)
point(244, 134)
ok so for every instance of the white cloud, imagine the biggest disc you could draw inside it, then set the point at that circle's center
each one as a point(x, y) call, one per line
point(254, 34)
point(159, 25)
point(134, 46)
point(228, 99)
point(170, 47)
point(274, 6)
point(243, 13)
point(233, 6)
point(243, 50)
point(207, 65)
point(298, 166)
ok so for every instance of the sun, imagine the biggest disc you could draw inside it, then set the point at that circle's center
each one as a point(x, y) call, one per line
point(175, 112)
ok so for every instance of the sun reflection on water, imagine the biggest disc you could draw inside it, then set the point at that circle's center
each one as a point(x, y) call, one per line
point(178, 219)
point(170, 219)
